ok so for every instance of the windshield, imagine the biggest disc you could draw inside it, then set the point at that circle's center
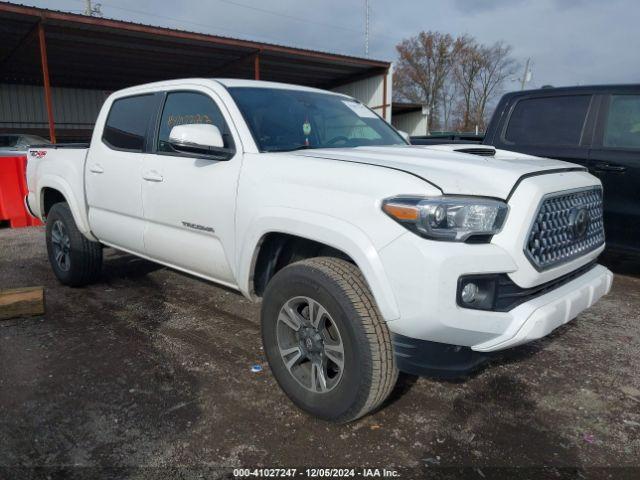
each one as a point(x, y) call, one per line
point(284, 120)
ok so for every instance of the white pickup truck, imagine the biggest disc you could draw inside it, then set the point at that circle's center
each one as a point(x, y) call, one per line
point(369, 255)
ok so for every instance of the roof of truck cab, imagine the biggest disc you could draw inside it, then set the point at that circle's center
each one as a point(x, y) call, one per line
point(576, 90)
point(238, 82)
point(226, 82)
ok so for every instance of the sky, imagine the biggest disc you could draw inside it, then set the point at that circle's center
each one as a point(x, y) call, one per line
point(569, 42)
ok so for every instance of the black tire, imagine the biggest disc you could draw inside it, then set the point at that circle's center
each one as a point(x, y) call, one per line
point(369, 372)
point(83, 257)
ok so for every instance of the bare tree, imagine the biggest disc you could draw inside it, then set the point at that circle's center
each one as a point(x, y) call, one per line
point(466, 74)
point(449, 97)
point(495, 67)
point(423, 66)
point(456, 78)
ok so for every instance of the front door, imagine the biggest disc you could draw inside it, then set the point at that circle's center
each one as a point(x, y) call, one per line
point(113, 173)
point(188, 199)
point(615, 159)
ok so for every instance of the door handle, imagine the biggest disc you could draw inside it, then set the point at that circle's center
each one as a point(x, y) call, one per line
point(153, 176)
point(607, 167)
point(96, 168)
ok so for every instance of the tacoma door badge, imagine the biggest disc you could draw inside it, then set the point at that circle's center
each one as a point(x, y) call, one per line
point(195, 226)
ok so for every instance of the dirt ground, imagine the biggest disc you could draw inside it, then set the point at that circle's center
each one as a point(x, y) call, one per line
point(148, 374)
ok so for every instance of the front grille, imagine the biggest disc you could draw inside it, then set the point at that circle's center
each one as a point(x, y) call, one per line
point(558, 234)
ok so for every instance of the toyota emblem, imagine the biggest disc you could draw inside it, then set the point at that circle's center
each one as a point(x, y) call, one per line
point(579, 222)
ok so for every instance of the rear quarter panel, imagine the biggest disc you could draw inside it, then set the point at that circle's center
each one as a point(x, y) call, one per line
point(61, 169)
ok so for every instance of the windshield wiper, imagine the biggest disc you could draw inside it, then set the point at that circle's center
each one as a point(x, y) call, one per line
point(290, 149)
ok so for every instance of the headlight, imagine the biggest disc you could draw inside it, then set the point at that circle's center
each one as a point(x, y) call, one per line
point(448, 218)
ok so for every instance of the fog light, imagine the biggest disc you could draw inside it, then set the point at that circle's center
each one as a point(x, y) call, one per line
point(477, 291)
point(469, 292)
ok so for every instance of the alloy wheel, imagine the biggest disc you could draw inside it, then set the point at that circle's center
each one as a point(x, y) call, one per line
point(310, 344)
point(61, 245)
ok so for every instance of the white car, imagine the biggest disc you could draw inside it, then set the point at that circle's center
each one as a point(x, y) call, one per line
point(369, 255)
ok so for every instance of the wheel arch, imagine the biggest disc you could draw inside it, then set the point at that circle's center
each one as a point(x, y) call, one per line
point(53, 190)
point(276, 242)
point(48, 198)
point(276, 250)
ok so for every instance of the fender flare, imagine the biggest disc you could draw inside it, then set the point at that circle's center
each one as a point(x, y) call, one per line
point(325, 229)
point(77, 211)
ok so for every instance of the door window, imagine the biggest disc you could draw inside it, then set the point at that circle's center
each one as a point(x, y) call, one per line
point(183, 108)
point(552, 121)
point(623, 123)
point(127, 122)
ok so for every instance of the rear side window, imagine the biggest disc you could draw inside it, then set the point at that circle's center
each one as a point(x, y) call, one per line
point(623, 123)
point(9, 140)
point(127, 122)
point(183, 108)
point(548, 121)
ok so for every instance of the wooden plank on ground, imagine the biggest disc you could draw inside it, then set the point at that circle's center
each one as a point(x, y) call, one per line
point(21, 302)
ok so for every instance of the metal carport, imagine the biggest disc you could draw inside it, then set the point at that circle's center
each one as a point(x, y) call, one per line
point(49, 60)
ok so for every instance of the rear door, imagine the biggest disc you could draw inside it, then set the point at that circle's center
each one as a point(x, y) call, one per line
point(113, 172)
point(189, 199)
point(554, 126)
point(615, 159)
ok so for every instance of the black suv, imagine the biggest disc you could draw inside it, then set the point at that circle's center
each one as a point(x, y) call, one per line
point(598, 127)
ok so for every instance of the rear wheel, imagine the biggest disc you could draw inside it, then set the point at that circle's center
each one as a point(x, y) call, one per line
point(75, 260)
point(325, 341)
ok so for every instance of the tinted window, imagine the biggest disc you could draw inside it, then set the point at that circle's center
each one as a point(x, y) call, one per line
point(623, 124)
point(32, 140)
point(282, 119)
point(127, 122)
point(9, 140)
point(548, 120)
point(183, 108)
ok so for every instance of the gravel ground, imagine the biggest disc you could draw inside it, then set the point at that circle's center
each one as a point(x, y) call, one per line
point(151, 368)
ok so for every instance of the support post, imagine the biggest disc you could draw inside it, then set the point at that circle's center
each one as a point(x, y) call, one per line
point(46, 82)
point(256, 66)
point(384, 94)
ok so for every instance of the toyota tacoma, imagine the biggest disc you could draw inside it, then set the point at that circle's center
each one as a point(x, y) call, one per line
point(370, 256)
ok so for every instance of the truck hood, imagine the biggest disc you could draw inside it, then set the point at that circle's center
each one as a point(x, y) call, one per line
point(451, 171)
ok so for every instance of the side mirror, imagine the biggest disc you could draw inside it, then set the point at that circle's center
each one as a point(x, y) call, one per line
point(405, 135)
point(198, 138)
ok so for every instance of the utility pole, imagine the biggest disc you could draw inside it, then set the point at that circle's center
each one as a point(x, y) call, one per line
point(426, 111)
point(526, 76)
point(91, 10)
point(366, 28)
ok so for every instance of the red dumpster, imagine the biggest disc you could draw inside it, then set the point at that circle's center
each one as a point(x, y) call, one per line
point(13, 189)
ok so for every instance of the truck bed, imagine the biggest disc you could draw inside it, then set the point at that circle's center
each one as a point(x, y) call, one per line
point(57, 146)
point(61, 165)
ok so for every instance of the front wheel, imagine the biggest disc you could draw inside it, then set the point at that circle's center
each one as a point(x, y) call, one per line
point(326, 343)
point(75, 260)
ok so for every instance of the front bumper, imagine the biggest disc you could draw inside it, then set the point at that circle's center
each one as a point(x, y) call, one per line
point(425, 291)
point(434, 359)
point(532, 320)
point(540, 316)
